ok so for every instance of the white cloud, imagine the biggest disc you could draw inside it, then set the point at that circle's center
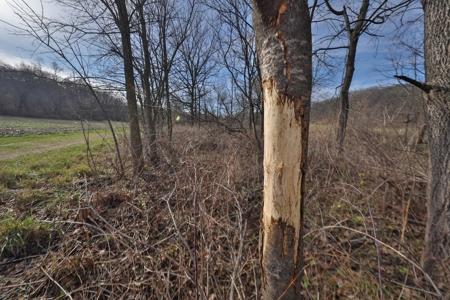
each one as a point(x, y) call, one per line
point(11, 59)
point(14, 48)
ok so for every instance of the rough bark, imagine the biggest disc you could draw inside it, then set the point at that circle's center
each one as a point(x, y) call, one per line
point(436, 257)
point(283, 41)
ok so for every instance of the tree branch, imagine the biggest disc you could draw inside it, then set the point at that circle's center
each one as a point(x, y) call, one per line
point(423, 86)
point(337, 13)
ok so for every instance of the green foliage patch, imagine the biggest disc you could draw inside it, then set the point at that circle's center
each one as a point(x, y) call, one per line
point(39, 167)
point(20, 238)
point(56, 167)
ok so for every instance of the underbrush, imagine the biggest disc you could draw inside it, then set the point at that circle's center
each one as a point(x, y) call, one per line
point(189, 227)
point(365, 217)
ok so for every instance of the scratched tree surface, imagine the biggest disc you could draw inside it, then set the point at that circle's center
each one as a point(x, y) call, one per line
point(283, 41)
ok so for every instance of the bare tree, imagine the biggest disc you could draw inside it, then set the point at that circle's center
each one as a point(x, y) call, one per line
point(238, 56)
point(169, 23)
point(145, 73)
point(283, 42)
point(119, 12)
point(354, 31)
point(194, 69)
point(354, 22)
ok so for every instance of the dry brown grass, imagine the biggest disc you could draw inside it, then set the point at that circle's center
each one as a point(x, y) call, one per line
point(379, 174)
point(190, 227)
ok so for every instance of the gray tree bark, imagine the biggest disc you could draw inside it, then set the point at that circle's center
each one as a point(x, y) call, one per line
point(436, 103)
point(436, 257)
point(283, 42)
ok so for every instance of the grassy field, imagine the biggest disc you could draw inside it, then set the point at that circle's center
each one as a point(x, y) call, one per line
point(12, 147)
point(25, 136)
point(191, 224)
point(16, 126)
point(52, 166)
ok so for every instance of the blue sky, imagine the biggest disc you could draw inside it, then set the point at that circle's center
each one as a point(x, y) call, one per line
point(372, 54)
point(379, 57)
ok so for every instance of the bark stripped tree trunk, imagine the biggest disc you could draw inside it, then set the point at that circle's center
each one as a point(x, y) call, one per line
point(436, 91)
point(283, 41)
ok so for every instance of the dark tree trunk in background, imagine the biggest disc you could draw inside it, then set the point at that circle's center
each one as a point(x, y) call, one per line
point(354, 31)
point(149, 106)
point(283, 42)
point(123, 23)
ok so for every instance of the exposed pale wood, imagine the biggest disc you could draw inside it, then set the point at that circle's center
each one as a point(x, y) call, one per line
point(283, 40)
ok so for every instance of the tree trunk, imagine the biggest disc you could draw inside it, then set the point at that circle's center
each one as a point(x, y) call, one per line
point(343, 95)
point(353, 36)
point(283, 41)
point(436, 257)
point(166, 79)
point(149, 106)
point(123, 24)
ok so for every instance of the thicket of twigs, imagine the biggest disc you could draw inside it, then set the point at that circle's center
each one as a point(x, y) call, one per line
point(189, 229)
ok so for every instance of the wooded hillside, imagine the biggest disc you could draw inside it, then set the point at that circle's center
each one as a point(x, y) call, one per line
point(29, 91)
point(395, 104)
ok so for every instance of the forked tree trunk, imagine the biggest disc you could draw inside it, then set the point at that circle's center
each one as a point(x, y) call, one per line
point(283, 41)
point(436, 257)
point(354, 31)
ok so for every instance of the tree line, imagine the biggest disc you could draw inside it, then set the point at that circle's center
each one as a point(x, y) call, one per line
point(30, 91)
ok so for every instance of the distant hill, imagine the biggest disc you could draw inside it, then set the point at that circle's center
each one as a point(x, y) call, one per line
point(395, 105)
point(28, 91)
